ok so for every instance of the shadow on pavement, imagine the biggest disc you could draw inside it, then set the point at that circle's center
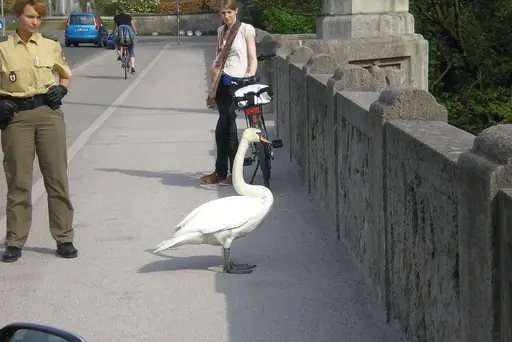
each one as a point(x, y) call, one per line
point(172, 263)
point(174, 178)
point(182, 110)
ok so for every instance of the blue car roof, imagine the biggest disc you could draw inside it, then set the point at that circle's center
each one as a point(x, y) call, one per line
point(82, 13)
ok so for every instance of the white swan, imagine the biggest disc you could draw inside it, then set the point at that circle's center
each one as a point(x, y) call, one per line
point(221, 221)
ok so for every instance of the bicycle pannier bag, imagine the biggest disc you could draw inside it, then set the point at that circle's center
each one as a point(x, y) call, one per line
point(123, 37)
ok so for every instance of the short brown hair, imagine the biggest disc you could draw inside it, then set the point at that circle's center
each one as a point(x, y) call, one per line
point(39, 6)
point(231, 4)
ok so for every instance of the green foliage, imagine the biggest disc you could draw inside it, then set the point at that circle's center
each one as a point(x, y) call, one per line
point(285, 16)
point(479, 109)
point(470, 59)
point(278, 20)
point(110, 9)
point(141, 6)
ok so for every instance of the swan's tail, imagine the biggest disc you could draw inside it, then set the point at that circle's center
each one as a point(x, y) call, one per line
point(191, 238)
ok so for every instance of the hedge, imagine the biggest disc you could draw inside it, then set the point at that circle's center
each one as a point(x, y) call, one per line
point(189, 6)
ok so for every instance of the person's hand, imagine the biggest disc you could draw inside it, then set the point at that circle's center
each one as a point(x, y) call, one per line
point(7, 110)
point(56, 93)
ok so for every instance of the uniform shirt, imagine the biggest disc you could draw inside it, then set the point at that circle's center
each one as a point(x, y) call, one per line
point(237, 60)
point(123, 19)
point(26, 69)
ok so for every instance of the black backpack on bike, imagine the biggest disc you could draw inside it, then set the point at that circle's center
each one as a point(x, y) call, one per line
point(123, 37)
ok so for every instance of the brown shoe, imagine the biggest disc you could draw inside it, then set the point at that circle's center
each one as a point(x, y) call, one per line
point(226, 182)
point(212, 178)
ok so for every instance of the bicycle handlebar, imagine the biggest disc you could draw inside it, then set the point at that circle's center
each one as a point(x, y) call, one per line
point(263, 57)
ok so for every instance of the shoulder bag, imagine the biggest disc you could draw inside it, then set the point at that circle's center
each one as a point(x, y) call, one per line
point(218, 66)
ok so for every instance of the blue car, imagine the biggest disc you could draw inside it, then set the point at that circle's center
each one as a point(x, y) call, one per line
point(85, 27)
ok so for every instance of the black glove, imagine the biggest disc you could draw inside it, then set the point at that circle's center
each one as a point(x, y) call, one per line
point(7, 110)
point(56, 93)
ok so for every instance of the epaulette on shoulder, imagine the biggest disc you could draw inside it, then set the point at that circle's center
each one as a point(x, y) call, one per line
point(47, 36)
point(4, 39)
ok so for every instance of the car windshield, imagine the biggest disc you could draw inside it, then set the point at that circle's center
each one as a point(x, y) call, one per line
point(81, 20)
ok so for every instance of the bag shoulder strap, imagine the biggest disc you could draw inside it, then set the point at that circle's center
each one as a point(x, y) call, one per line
point(224, 54)
point(229, 41)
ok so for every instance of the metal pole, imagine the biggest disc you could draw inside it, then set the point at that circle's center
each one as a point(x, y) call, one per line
point(177, 15)
point(3, 19)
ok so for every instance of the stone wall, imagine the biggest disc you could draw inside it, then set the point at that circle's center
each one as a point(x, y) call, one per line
point(413, 197)
point(505, 240)
point(207, 23)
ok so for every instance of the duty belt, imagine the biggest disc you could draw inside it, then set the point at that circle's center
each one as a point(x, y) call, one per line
point(27, 103)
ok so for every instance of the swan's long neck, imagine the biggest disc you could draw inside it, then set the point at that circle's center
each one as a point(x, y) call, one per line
point(241, 187)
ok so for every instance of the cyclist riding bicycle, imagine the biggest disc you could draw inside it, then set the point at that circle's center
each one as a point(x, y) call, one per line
point(123, 21)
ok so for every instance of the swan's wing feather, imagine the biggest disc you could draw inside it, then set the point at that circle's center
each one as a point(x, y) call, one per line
point(204, 207)
point(190, 215)
point(221, 214)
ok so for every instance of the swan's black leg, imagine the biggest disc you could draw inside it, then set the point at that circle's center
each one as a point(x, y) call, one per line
point(230, 267)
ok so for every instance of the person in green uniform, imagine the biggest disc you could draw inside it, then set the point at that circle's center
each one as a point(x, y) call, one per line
point(32, 122)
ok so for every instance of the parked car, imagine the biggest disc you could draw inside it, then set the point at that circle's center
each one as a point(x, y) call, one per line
point(30, 332)
point(85, 27)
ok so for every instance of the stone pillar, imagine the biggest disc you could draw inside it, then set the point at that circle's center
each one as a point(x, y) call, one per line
point(485, 170)
point(348, 19)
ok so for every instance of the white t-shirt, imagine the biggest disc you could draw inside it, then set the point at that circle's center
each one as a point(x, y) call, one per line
point(237, 61)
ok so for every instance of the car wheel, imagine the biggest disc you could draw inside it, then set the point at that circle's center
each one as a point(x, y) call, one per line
point(76, 44)
point(67, 44)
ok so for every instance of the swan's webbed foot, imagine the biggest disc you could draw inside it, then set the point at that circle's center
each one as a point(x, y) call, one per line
point(232, 268)
point(242, 266)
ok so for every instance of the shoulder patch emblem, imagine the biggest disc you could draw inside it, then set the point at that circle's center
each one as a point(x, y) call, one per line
point(49, 37)
point(12, 76)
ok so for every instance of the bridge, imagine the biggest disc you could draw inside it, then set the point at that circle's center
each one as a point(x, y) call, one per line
point(136, 150)
point(425, 208)
point(389, 224)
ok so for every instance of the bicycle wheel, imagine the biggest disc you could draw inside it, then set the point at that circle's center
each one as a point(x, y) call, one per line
point(264, 157)
point(125, 63)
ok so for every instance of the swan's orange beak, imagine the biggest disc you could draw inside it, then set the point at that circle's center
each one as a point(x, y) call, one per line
point(264, 140)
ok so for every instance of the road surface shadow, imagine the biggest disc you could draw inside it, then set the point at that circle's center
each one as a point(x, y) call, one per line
point(172, 177)
point(40, 250)
point(173, 263)
point(181, 110)
point(101, 77)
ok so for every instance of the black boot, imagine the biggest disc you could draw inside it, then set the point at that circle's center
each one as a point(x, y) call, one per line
point(11, 254)
point(67, 250)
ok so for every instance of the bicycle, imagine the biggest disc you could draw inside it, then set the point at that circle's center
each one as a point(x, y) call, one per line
point(249, 96)
point(125, 60)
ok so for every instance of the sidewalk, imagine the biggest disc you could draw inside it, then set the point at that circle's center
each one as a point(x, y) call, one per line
point(137, 176)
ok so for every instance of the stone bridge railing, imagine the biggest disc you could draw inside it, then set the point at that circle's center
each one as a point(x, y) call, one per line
point(423, 205)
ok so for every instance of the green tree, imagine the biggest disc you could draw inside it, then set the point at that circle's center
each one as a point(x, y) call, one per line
point(470, 67)
point(285, 16)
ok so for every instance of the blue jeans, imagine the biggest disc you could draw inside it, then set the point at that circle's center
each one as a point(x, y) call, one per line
point(131, 48)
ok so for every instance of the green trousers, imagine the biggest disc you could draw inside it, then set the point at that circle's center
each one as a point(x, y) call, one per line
point(42, 131)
